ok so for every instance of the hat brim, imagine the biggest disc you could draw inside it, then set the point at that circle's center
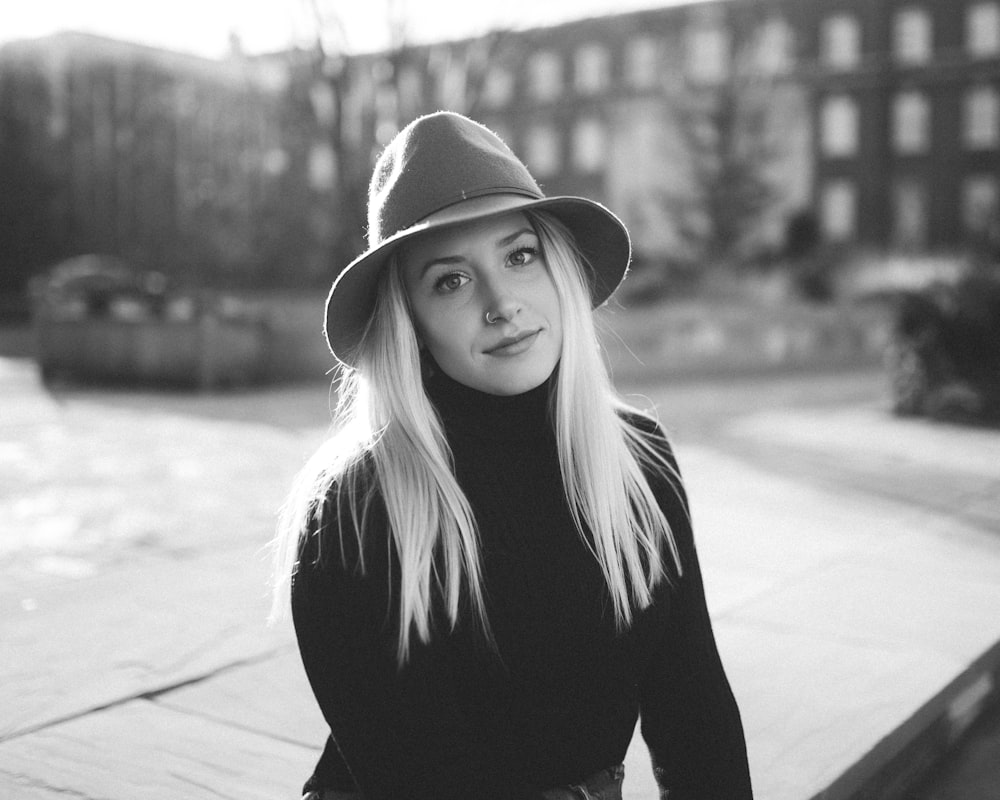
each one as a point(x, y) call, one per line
point(599, 234)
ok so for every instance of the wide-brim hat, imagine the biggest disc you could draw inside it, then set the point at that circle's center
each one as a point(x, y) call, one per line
point(445, 169)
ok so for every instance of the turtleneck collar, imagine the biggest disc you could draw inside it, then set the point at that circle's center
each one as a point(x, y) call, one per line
point(520, 417)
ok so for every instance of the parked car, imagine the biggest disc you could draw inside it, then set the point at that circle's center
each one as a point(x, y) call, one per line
point(97, 319)
point(944, 360)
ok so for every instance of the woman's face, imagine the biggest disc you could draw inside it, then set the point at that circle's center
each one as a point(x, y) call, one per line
point(454, 277)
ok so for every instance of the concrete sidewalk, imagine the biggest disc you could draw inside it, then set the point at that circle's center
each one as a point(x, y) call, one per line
point(859, 629)
point(852, 563)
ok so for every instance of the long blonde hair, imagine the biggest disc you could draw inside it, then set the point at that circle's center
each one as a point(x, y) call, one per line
point(384, 414)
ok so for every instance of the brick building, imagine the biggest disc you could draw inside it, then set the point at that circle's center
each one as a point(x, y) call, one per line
point(882, 116)
point(630, 109)
point(907, 108)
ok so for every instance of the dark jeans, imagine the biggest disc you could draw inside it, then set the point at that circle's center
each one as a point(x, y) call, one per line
point(603, 785)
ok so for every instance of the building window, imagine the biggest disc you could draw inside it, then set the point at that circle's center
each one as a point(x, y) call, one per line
point(359, 98)
point(840, 41)
point(980, 204)
point(912, 36)
point(982, 29)
point(839, 127)
point(642, 57)
point(775, 48)
point(909, 201)
point(410, 91)
point(452, 86)
point(545, 70)
point(498, 88)
point(838, 210)
point(707, 53)
point(322, 167)
point(981, 124)
point(589, 146)
point(911, 123)
point(386, 108)
point(592, 69)
point(541, 147)
point(323, 102)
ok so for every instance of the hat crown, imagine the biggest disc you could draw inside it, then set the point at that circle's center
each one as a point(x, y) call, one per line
point(434, 162)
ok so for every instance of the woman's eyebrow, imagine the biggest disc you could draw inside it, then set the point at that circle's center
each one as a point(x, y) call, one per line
point(503, 241)
point(440, 260)
point(513, 237)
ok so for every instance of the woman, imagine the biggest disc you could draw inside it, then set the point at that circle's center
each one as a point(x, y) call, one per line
point(491, 563)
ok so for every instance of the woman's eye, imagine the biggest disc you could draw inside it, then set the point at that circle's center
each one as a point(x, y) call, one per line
point(450, 282)
point(522, 256)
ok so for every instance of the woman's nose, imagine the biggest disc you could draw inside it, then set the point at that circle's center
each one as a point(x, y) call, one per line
point(500, 302)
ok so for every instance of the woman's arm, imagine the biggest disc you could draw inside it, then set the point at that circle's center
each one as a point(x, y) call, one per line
point(690, 719)
point(402, 733)
point(331, 772)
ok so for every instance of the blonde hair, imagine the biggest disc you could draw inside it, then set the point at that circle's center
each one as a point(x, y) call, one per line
point(384, 414)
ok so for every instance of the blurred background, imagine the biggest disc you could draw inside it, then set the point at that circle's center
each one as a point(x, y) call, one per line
point(813, 192)
point(773, 155)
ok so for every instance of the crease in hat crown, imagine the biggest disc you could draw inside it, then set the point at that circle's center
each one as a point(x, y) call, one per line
point(436, 161)
point(423, 179)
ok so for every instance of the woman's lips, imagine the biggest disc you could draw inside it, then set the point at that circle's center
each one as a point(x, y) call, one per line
point(514, 345)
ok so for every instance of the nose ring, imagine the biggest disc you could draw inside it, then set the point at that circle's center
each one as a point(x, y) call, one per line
point(490, 319)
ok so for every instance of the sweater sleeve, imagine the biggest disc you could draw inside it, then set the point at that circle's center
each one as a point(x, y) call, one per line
point(689, 717)
point(400, 732)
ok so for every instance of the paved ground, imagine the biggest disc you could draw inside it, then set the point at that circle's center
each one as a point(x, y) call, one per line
point(852, 563)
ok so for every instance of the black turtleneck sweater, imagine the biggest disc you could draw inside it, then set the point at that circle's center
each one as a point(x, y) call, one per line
point(559, 699)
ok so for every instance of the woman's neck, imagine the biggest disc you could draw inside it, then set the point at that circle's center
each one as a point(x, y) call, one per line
point(488, 416)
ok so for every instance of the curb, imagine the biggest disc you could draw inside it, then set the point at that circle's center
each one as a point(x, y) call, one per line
point(25, 401)
point(904, 758)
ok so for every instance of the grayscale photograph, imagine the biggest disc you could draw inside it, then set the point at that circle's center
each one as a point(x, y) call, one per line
point(432, 400)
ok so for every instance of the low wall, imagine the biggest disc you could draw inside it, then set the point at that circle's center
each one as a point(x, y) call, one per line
point(296, 349)
point(703, 338)
point(207, 352)
point(689, 338)
point(673, 339)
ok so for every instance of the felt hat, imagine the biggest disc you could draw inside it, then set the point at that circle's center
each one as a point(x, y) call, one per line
point(444, 169)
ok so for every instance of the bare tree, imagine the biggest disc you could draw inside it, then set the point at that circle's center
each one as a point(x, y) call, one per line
point(734, 133)
point(404, 80)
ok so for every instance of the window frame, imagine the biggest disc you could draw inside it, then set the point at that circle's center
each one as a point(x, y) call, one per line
point(591, 68)
point(641, 73)
point(911, 24)
point(911, 123)
point(828, 190)
point(546, 77)
point(831, 28)
point(542, 163)
point(586, 162)
point(975, 24)
point(975, 121)
point(697, 66)
point(836, 107)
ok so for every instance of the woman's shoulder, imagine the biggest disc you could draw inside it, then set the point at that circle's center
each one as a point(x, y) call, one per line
point(341, 570)
point(342, 520)
point(651, 431)
point(643, 421)
point(655, 454)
